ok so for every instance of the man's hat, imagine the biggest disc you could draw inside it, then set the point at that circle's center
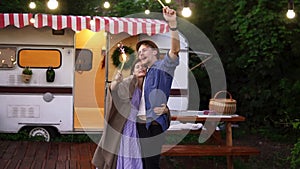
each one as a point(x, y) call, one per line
point(147, 43)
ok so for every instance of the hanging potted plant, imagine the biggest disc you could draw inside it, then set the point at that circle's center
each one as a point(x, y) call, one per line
point(26, 74)
point(50, 74)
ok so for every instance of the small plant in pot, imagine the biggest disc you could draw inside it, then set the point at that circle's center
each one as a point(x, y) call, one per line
point(26, 74)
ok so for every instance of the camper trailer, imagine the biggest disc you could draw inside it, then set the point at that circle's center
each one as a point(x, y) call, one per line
point(71, 65)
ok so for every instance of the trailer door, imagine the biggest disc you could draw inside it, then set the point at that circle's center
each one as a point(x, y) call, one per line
point(89, 81)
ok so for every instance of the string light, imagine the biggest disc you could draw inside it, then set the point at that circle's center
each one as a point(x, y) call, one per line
point(32, 20)
point(147, 11)
point(32, 5)
point(106, 4)
point(186, 11)
point(290, 13)
point(92, 21)
point(52, 4)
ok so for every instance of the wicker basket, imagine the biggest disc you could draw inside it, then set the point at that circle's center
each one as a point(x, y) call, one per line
point(224, 105)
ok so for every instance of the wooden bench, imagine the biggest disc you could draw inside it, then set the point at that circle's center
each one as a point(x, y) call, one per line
point(208, 150)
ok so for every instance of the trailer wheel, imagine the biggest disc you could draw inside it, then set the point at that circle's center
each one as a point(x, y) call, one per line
point(47, 133)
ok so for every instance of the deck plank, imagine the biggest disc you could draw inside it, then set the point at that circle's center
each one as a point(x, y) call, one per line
point(50, 164)
point(64, 151)
point(26, 163)
point(3, 146)
point(74, 154)
point(13, 164)
point(73, 164)
point(42, 152)
point(84, 151)
point(3, 163)
point(60, 164)
point(10, 151)
point(20, 150)
point(31, 151)
point(37, 164)
point(86, 164)
point(53, 151)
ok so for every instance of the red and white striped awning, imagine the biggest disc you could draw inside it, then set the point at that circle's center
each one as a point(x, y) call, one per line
point(114, 25)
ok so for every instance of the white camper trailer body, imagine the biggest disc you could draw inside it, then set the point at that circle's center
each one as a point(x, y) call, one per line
point(74, 101)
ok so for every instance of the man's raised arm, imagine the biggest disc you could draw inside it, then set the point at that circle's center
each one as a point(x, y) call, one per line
point(170, 17)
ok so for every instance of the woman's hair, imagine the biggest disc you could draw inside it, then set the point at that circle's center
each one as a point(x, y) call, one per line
point(133, 66)
point(133, 83)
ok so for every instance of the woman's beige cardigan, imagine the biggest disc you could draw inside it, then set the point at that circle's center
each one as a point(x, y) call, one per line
point(119, 106)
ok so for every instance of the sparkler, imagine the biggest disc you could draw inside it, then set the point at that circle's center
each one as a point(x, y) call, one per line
point(199, 64)
point(124, 56)
point(161, 3)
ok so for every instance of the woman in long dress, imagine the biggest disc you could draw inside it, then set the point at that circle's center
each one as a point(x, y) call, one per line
point(119, 144)
point(129, 155)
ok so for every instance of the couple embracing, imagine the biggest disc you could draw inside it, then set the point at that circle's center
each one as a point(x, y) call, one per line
point(138, 117)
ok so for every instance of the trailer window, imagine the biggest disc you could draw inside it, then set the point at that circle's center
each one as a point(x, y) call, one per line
point(83, 60)
point(7, 57)
point(39, 58)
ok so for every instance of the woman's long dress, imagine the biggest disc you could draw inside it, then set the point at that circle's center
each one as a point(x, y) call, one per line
point(129, 156)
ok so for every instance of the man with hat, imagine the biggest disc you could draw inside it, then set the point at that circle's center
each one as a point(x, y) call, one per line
point(156, 91)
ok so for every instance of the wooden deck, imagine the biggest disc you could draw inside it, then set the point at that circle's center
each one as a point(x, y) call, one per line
point(42, 155)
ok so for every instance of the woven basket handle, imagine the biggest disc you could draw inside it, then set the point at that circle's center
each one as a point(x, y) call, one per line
point(223, 91)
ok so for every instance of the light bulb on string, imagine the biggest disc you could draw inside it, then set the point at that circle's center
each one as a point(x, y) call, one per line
point(186, 11)
point(92, 21)
point(147, 11)
point(52, 4)
point(290, 13)
point(106, 4)
point(32, 20)
point(32, 5)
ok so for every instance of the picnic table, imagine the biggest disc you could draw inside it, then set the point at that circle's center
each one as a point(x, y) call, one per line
point(227, 149)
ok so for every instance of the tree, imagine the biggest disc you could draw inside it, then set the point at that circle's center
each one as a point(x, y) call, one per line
point(257, 45)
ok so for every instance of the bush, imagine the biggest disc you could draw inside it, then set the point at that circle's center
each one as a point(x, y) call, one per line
point(295, 156)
